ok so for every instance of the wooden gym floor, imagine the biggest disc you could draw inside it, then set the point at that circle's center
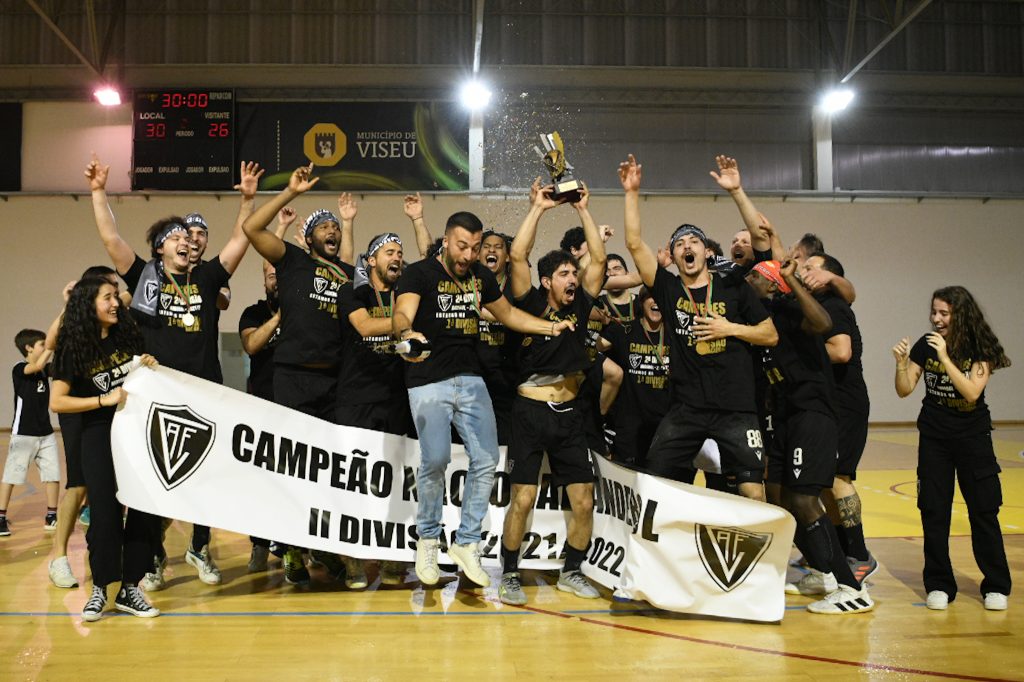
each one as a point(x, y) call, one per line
point(255, 627)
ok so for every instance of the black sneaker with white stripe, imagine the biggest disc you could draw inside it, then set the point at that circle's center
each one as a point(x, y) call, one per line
point(93, 610)
point(131, 600)
point(842, 601)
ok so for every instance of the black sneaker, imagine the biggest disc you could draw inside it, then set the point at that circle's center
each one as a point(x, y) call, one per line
point(5, 530)
point(93, 610)
point(131, 600)
point(50, 522)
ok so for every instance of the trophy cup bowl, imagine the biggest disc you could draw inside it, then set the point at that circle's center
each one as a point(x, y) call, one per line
point(566, 187)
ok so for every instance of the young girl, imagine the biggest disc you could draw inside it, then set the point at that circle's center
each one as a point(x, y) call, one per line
point(957, 358)
point(94, 352)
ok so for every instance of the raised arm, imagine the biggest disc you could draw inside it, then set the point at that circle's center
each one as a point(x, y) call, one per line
point(594, 276)
point(232, 253)
point(285, 217)
point(778, 250)
point(347, 210)
point(630, 173)
point(412, 206)
point(728, 178)
point(121, 254)
point(820, 278)
point(268, 244)
point(526, 235)
point(908, 372)
point(816, 318)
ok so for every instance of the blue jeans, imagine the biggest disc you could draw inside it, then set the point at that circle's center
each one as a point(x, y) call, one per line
point(463, 401)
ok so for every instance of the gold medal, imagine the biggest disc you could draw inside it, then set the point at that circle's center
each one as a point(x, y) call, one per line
point(702, 347)
point(188, 319)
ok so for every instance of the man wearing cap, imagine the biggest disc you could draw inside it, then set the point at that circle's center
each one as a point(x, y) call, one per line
point(308, 354)
point(713, 322)
point(802, 462)
point(175, 305)
point(439, 302)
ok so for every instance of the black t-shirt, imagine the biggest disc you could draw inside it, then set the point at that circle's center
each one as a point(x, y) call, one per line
point(562, 354)
point(645, 393)
point(945, 413)
point(448, 315)
point(798, 368)
point(851, 391)
point(370, 370)
point(717, 375)
point(308, 292)
point(106, 375)
point(261, 365)
point(194, 349)
point(31, 402)
point(625, 313)
point(497, 349)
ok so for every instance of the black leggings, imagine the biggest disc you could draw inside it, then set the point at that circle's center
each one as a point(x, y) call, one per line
point(972, 462)
point(120, 549)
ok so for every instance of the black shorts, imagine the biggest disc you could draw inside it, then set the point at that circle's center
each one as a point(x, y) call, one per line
point(71, 434)
point(683, 431)
point(853, 436)
point(805, 459)
point(554, 428)
point(633, 437)
point(502, 396)
point(590, 397)
point(390, 416)
point(310, 391)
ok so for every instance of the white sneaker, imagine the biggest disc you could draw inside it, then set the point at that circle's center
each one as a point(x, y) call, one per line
point(996, 602)
point(937, 600)
point(154, 582)
point(61, 575)
point(203, 563)
point(468, 559)
point(577, 583)
point(815, 582)
point(426, 561)
point(842, 601)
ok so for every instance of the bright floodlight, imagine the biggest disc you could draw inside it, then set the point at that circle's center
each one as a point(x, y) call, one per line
point(107, 96)
point(474, 95)
point(836, 99)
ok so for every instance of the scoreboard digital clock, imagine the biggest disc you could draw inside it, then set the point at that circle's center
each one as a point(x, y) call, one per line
point(183, 139)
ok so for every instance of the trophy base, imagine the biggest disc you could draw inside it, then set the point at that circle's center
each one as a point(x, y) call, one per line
point(567, 189)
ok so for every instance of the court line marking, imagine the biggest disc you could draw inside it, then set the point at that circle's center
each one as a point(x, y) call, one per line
point(864, 665)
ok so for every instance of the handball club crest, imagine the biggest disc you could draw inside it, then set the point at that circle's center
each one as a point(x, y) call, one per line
point(179, 440)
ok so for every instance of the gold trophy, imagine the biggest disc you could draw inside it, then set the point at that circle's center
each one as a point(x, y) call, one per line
point(567, 188)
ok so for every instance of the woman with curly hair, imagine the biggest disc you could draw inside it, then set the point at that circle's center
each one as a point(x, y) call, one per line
point(95, 346)
point(957, 358)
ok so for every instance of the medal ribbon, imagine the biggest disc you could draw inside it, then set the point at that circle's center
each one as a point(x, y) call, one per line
point(338, 272)
point(181, 294)
point(458, 283)
point(661, 343)
point(613, 310)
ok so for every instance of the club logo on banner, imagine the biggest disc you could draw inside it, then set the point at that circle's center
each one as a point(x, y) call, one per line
point(730, 554)
point(179, 440)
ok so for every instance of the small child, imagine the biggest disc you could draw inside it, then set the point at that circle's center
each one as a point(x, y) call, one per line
point(32, 435)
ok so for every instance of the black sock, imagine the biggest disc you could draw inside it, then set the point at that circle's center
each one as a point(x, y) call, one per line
point(51, 510)
point(844, 542)
point(816, 544)
point(509, 559)
point(825, 542)
point(856, 546)
point(573, 558)
point(3, 513)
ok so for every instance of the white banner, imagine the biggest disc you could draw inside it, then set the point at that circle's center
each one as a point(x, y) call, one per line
point(188, 449)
